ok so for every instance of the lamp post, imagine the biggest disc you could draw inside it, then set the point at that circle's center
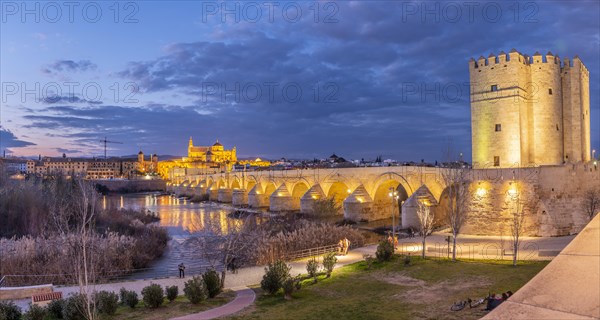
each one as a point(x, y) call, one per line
point(393, 194)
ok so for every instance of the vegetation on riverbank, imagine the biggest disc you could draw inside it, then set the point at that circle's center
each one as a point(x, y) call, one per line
point(423, 289)
point(43, 222)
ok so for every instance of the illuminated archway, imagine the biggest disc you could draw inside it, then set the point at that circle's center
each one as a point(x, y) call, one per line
point(382, 201)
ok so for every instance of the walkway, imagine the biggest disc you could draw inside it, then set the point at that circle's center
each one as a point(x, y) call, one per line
point(244, 298)
point(568, 288)
point(471, 247)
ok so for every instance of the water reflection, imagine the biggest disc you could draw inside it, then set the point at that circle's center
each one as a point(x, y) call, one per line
point(178, 215)
point(181, 218)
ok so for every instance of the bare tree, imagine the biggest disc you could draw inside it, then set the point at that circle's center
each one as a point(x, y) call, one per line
point(517, 221)
point(591, 202)
point(425, 222)
point(73, 213)
point(85, 215)
point(220, 244)
point(457, 199)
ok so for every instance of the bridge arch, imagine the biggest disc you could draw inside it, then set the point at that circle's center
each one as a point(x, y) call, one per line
point(382, 201)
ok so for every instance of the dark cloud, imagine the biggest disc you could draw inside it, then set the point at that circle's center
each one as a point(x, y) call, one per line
point(384, 79)
point(9, 140)
point(60, 66)
point(67, 151)
point(67, 99)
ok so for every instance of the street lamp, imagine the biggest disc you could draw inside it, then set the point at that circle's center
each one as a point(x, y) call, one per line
point(393, 194)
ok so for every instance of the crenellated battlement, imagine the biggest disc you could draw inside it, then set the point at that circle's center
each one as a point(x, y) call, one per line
point(515, 56)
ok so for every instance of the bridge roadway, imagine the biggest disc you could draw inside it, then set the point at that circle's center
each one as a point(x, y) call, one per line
point(362, 193)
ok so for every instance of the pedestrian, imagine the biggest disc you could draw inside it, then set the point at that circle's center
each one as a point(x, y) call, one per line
point(341, 246)
point(181, 270)
point(346, 245)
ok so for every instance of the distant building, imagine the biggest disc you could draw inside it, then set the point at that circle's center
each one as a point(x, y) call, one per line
point(201, 159)
point(215, 153)
point(92, 168)
point(13, 165)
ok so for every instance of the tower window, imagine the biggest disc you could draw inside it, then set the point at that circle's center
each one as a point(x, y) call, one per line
point(557, 129)
point(494, 87)
point(550, 91)
point(498, 127)
point(496, 161)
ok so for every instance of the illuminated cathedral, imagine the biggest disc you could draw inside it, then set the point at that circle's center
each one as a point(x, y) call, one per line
point(215, 153)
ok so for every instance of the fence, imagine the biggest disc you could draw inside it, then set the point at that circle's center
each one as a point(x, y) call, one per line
point(106, 277)
point(311, 252)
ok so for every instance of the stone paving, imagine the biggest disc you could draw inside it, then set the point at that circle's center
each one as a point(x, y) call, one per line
point(471, 247)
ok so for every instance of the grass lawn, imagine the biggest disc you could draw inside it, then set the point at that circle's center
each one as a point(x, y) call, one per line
point(423, 290)
point(179, 307)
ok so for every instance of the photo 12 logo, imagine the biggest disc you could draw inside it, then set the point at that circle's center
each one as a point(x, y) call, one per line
point(71, 92)
point(68, 11)
point(271, 92)
point(269, 11)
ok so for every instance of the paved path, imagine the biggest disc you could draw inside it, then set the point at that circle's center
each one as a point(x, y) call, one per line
point(470, 247)
point(244, 297)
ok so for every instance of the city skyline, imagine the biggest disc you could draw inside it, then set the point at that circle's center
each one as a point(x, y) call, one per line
point(367, 86)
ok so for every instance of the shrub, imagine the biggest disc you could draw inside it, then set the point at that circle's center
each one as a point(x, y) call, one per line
point(384, 252)
point(55, 308)
point(407, 260)
point(107, 302)
point(9, 311)
point(275, 275)
point(329, 261)
point(172, 293)
point(369, 260)
point(153, 295)
point(122, 294)
point(312, 267)
point(74, 307)
point(290, 285)
point(35, 312)
point(130, 298)
point(195, 290)
point(212, 283)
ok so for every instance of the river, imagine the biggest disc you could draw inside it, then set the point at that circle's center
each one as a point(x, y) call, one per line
point(181, 218)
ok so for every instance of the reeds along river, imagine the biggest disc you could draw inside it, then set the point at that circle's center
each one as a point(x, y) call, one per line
point(181, 218)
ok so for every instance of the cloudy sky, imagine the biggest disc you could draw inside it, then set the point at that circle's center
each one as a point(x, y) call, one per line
point(293, 79)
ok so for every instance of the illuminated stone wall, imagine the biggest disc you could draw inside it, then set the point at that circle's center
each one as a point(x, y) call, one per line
point(551, 196)
point(529, 111)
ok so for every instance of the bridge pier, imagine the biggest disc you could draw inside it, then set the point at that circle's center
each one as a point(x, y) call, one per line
point(224, 195)
point(213, 193)
point(239, 198)
point(358, 206)
point(308, 200)
point(256, 197)
point(410, 217)
point(281, 200)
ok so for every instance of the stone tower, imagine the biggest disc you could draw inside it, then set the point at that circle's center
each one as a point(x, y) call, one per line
point(529, 111)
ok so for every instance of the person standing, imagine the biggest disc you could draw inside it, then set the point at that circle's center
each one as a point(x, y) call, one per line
point(346, 245)
point(181, 270)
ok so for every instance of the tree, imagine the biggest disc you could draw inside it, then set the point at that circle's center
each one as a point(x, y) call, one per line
point(517, 220)
point(591, 202)
point(457, 193)
point(73, 212)
point(225, 244)
point(425, 217)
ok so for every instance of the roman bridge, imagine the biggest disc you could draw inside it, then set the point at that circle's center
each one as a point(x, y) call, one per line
point(363, 194)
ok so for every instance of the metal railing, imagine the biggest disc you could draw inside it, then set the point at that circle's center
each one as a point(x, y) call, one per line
point(311, 252)
point(105, 277)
